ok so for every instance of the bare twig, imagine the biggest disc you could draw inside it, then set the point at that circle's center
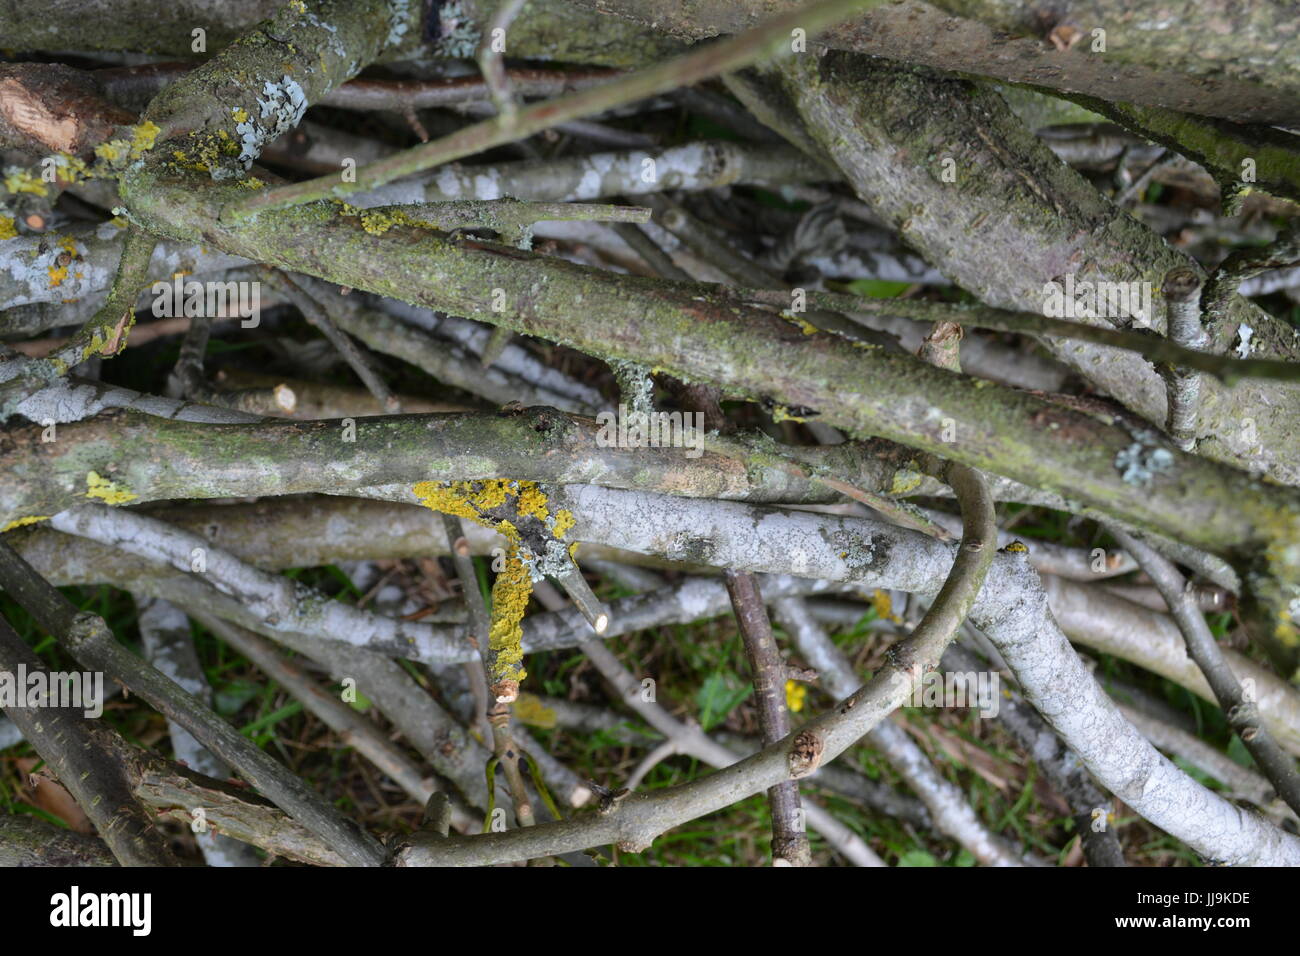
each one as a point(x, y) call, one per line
point(89, 640)
point(726, 55)
point(1182, 288)
point(90, 760)
point(1239, 707)
point(789, 839)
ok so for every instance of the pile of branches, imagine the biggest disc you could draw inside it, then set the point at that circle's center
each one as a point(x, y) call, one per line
point(544, 325)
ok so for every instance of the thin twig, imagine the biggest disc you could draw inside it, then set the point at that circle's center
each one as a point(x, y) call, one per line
point(1182, 288)
point(90, 760)
point(789, 838)
point(316, 314)
point(1241, 709)
point(492, 64)
point(721, 57)
point(88, 639)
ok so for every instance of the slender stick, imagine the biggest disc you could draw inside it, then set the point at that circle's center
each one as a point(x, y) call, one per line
point(492, 64)
point(1182, 288)
point(352, 726)
point(1240, 708)
point(316, 314)
point(89, 759)
point(789, 837)
point(723, 56)
point(88, 639)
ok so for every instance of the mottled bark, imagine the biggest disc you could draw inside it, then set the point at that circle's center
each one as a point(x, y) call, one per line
point(1013, 218)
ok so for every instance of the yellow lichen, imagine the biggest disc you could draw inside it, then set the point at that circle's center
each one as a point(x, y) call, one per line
point(143, 136)
point(7, 230)
point(510, 593)
point(20, 522)
point(57, 275)
point(805, 326)
point(532, 501)
point(884, 606)
point(111, 151)
point(513, 586)
point(107, 491)
point(24, 181)
point(563, 523)
point(377, 223)
point(905, 480)
point(530, 710)
point(240, 114)
point(467, 499)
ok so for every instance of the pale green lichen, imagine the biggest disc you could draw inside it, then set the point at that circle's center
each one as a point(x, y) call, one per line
point(458, 34)
point(1138, 464)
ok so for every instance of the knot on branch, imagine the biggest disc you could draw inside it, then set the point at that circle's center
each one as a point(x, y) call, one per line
point(805, 754)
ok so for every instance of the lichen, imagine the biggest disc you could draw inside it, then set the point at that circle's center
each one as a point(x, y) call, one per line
point(458, 34)
point(7, 230)
point(529, 709)
point(905, 480)
point(1138, 464)
point(19, 180)
point(563, 523)
point(510, 593)
point(107, 491)
point(116, 153)
point(884, 606)
point(21, 522)
point(280, 109)
point(1243, 347)
point(476, 500)
point(399, 21)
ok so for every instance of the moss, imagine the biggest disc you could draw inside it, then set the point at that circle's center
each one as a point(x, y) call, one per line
point(107, 491)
